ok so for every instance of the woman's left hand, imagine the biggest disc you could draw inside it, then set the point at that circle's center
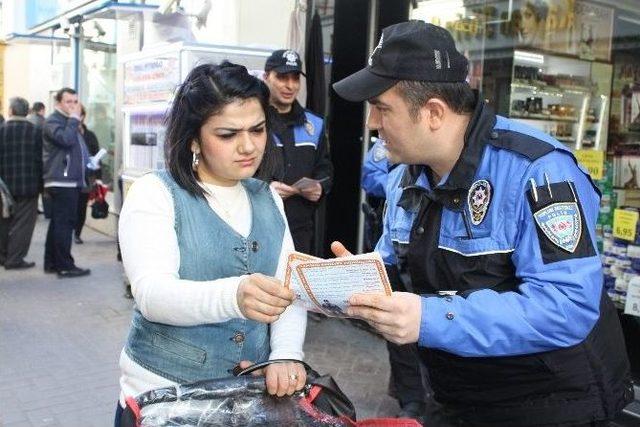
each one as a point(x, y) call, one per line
point(282, 378)
point(285, 378)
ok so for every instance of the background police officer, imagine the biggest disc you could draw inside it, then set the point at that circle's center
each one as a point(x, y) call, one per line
point(407, 382)
point(497, 220)
point(303, 152)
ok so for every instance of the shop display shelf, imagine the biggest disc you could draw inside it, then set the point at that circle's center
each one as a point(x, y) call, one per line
point(544, 117)
point(543, 88)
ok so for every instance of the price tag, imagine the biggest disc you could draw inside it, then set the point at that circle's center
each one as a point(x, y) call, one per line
point(624, 224)
point(593, 161)
point(632, 306)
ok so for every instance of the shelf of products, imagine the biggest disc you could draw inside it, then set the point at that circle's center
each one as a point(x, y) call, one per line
point(567, 98)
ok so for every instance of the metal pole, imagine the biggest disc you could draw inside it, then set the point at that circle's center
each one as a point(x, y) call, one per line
point(366, 134)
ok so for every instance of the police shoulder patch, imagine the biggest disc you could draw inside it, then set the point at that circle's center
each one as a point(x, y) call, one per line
point(562, 224)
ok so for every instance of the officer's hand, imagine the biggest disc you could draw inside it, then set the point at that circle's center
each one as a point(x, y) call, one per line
point(339, 250)
point(262, 298)
point(396, 317)
point(313, 192)
point(284, 190)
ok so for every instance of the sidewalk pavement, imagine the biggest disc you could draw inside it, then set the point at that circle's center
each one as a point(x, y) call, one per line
point(60, 341)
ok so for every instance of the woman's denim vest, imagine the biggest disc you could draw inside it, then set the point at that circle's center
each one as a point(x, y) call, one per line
point(210, 249)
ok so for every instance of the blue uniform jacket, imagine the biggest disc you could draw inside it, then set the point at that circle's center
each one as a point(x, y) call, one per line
point(375, 170)
point(556, 303)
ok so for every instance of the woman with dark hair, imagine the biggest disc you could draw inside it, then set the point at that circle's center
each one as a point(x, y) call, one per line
point(204, 245)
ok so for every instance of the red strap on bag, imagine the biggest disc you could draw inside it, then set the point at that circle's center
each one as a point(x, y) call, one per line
point(307, 405)
point(133, 405)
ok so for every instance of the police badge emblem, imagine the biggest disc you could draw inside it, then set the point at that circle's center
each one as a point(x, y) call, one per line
point(478, 200)
point(562, 224)
point(308, 126)
point(291, 57)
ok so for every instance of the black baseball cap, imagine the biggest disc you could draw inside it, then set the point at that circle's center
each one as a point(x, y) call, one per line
point(284, 61)
point(412, 50)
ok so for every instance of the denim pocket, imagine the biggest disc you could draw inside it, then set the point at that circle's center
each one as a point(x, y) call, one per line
point(178, 348)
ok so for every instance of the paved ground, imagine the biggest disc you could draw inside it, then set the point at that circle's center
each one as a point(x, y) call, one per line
point(60, 342)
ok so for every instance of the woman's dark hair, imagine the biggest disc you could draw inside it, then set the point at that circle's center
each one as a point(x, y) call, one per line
point(205, 92)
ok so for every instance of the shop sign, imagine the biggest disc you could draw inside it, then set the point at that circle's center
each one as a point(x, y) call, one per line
point(571, 27)
point(624, 224)
point(150, 80)
point(593, 161)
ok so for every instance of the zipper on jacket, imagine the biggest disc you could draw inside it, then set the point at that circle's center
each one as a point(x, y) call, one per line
point(66, 167)
point(465, 218)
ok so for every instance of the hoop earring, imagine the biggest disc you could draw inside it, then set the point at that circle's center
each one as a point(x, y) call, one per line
point(195, 161)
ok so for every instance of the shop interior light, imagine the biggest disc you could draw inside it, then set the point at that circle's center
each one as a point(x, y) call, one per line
point(534, 58)
point(442, 10)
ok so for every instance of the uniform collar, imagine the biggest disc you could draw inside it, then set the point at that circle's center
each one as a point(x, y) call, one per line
point(292, 118)
point(452, 193)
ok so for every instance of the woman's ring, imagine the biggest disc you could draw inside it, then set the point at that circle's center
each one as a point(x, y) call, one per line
point(293, 377)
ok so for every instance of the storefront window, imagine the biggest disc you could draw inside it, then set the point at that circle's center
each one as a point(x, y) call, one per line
point(97, 86)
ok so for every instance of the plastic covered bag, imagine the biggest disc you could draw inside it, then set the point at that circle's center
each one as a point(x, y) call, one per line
point(244, 401)
point(239, 401)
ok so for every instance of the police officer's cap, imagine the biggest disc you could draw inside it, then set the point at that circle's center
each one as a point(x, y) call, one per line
point(284, 61)
point(411, 50)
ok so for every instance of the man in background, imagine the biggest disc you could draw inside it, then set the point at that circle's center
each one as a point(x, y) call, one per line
point(65, 159)
point(21, 171)
point(37, 114)
point(301, 144)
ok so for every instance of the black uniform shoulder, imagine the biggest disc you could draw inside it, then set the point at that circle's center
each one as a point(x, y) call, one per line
point(524, 144)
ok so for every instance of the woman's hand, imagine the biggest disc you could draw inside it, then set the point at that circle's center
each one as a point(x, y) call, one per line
point(262, 298)
point(285, 378)
point(281, 378)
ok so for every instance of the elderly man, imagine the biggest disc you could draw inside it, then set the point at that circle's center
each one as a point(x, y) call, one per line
point(21, 171)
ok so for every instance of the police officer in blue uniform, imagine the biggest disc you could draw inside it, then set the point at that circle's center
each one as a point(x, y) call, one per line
point(407, 382)
point(301, 144)
point(375, 170)
point(494, 223)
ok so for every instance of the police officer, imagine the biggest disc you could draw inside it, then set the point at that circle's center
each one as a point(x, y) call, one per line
point(407, 382)
point(300, 139)
point(497, 220)
point(375, 170)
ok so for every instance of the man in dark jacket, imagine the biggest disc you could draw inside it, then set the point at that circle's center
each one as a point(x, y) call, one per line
point(65, 159)
point(21, 171)
point(303, 153)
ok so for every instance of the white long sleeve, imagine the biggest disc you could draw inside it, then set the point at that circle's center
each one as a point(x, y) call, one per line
point(151, 259)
